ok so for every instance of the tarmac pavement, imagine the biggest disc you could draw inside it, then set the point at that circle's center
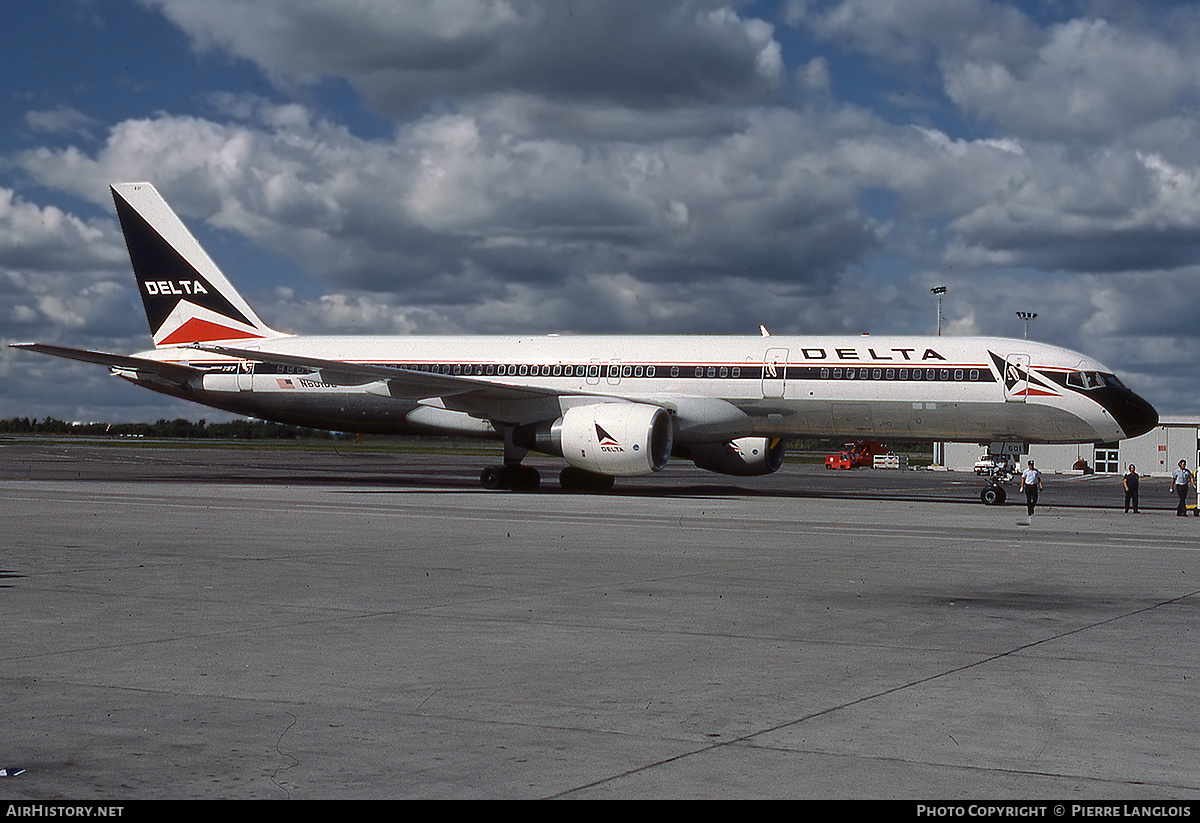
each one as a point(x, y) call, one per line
point(303, 623)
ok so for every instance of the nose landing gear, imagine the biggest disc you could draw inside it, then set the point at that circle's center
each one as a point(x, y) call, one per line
point(1000, 466)
point(993, 495)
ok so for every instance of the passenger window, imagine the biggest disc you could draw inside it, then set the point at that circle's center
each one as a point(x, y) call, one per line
point(649, 371)
point(674, 371)
point(737, 371)
point(958, 374)
point(824, 374)
point(876, 374)
point(890, 374)
point(724, 372)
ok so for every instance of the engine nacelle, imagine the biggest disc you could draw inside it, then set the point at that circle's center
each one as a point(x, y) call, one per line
point(617, 439)
point(744, 457)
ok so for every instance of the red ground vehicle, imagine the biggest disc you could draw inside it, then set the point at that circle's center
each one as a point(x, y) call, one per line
point(857, 454)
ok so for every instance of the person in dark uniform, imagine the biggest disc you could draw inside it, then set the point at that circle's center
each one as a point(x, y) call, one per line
point(1131, 489)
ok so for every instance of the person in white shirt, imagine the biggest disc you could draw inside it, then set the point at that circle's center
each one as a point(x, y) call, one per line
point(1180, 481)
point(1031, 484)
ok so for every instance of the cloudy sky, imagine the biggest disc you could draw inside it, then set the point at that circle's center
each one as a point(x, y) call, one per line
point(609, 166)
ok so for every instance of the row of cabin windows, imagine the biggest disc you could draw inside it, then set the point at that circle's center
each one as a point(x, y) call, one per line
point(526, 370)
point(900, 374)
point(568, 370)
point(614, 370)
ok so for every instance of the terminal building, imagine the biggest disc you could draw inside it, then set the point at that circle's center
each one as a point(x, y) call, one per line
point(1155, 453)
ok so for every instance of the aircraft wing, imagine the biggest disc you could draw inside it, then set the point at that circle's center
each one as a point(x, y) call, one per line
point(487, 398)
point(175, 372)
point(402, 383)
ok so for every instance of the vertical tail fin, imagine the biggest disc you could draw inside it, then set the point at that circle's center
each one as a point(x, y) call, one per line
point(187, 299)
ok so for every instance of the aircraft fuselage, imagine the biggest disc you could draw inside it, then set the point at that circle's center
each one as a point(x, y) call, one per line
point(923, 388)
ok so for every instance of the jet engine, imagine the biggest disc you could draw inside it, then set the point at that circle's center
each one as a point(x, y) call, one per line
point(744, 457)
point(615, 439)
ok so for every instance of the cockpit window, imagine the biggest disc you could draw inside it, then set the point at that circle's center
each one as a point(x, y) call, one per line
point(1091, 380)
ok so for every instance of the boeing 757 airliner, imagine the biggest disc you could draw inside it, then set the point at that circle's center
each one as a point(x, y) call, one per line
point(609, 406)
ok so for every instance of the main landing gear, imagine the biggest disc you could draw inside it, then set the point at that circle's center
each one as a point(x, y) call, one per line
point(573, 479)
point(518, 478)
point(512, 476)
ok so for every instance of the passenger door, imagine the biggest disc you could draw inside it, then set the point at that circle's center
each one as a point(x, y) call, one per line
point(774, 375)
point(1016, 377)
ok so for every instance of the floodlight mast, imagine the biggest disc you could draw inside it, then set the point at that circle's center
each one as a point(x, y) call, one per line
point(939, 291)
point(1026, 316)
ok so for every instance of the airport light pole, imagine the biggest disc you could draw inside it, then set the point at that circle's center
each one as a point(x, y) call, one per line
point(1026, 316)
point(939, 448)
point(939, 291)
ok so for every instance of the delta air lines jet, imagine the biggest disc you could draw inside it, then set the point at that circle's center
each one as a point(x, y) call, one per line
point(609, 406)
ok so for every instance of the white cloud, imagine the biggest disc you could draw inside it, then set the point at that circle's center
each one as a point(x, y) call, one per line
point(677, 166)
point(60, 120)
point(455, 204)
point(1089, 79)
point(637, 54)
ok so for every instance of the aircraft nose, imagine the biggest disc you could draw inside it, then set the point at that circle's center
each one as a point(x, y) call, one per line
point(1134, 415)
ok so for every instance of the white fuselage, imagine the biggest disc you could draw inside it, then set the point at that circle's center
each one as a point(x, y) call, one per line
point(717, 388)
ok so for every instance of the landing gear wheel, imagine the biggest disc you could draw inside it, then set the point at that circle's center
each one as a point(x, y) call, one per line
point(993, 496)
point(515, 478)
point(523, 478)
point(491, 477)
point(573, 479)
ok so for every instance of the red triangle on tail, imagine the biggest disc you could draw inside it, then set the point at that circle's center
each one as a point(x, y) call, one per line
point(196, 330)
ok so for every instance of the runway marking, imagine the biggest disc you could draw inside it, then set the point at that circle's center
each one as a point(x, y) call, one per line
point(747, 738)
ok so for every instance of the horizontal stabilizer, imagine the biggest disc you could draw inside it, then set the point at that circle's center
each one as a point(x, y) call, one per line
point(168, 371)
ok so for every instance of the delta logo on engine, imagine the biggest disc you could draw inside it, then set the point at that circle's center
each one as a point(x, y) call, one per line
point(608, 443)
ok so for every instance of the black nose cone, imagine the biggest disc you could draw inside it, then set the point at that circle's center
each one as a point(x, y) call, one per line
point(1134, 415)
